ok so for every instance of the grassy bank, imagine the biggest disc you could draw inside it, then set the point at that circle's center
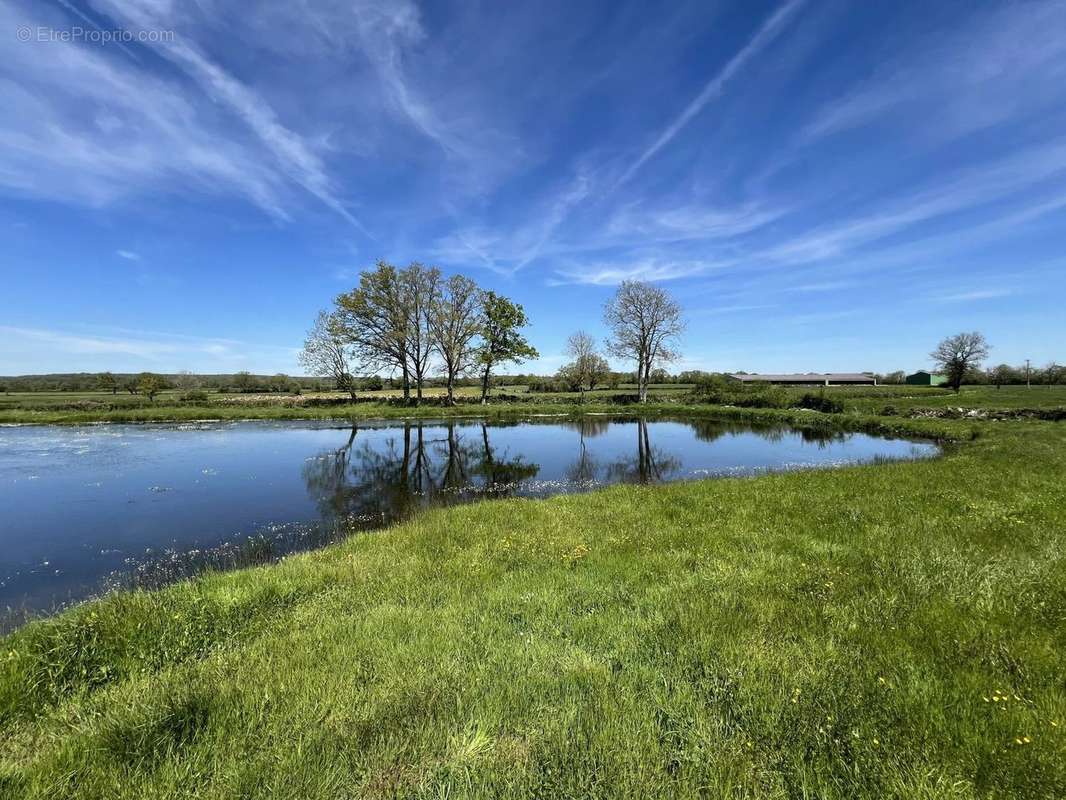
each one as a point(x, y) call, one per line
point(66, 408)
point(894, 630)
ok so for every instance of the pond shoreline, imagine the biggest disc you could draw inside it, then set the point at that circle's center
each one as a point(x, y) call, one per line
point(808, 597)
point(162, 501)
point(939, 429)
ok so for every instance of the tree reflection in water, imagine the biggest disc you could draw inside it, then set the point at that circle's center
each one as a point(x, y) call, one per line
point(370, 483)
point(377, 479)
point(649, 465)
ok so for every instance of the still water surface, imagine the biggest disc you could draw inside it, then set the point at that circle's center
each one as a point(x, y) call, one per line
point(86, 508)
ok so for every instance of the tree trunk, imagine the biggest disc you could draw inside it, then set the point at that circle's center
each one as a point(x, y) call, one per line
point(451, 389)
point(406, 384)
point(485, 386)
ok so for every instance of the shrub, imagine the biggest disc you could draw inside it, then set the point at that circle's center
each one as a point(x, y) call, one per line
point(819, 402)
point(194, 396)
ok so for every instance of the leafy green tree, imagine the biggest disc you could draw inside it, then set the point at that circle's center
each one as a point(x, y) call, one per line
point(501, 342)
point(243, 381)
point(455, 323)
point(107, 382)
point(149, 384)
point(373, 320)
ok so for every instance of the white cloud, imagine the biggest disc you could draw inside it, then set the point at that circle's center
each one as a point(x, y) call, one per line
point(291, 154)
point(24, 349)
point(976, 294)
point(129, 255)
point(609, 274)
point(966, 190)
point(1002, 64)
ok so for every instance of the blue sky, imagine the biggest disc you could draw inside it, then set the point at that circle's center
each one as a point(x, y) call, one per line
point(824, 185)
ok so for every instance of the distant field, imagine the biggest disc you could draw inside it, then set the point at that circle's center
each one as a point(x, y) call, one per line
point(80, 407)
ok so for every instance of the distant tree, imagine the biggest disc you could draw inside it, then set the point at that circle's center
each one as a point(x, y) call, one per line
point(893, 378)
point(326, 353)
point(107, 382)
point(501, 342)
point(455, 323)
point(693, 376)
point(958, 354)
point(186, 381)
point(372, 383)
point(1001, 374)
point(149, 384)
point(645, 325)
point(1054, 374)
point(243, 381)
point(588, 368)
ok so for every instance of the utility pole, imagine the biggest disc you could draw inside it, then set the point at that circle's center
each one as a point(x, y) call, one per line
point(1028, 385)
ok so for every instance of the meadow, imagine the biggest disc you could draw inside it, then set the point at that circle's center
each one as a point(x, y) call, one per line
point(892, 630)
point(83, 407)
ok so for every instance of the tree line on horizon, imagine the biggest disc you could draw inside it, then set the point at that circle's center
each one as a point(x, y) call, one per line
point(421, 330)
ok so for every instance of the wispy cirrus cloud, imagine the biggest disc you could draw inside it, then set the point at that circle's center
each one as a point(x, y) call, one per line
point(968, 189)
point(687, 221)
point(973, 77)
point(975, 295)
point(292, 155)
point(609, 274)
point(714, 87)
point(84, 126)
point(129, 255)
point(121, 348)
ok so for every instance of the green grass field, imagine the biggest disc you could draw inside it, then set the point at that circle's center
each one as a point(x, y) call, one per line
point(82, 407)
point(893, 630)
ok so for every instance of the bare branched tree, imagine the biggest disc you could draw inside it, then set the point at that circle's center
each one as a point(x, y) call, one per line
point(455, 323)
point(325, 353)
point(959, 354)
point(419, 287)
point(588, 367)
point(645, 325)
point(1053, 374)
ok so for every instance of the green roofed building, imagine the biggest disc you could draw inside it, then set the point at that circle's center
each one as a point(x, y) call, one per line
point(922, 378)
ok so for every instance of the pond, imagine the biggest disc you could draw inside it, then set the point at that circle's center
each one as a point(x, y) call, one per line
point(84, 509)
